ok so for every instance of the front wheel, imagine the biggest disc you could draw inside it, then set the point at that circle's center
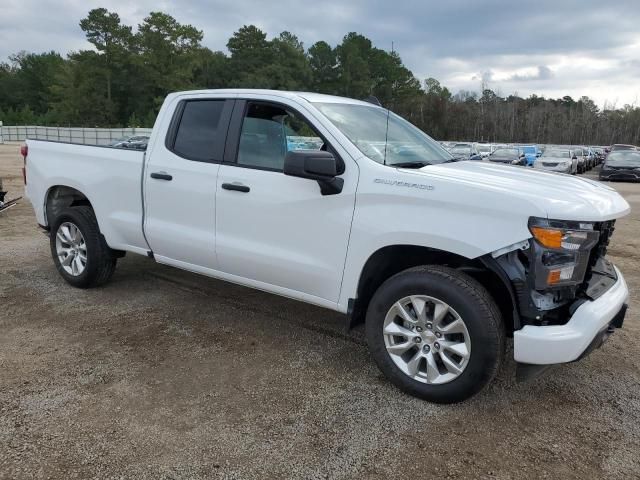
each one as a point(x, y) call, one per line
point(436, 333)
point(79, 251)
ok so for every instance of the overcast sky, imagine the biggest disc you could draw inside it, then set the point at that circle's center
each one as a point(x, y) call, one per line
point(547, 47)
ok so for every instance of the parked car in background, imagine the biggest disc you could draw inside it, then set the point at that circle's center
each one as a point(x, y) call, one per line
point(600, 154)
point(531, 152)
point(590, 157)
point(557, 160)
point(467, 151)
point(484, 149)
point(507, 155)
point(138, 142)
point(582, 163)
point(621, 165)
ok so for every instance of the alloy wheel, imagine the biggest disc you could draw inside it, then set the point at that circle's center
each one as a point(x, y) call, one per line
point(427, 339)
point(71, 249)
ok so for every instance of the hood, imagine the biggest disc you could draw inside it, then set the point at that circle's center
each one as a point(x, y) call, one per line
point(562, 197)
point(502, 159)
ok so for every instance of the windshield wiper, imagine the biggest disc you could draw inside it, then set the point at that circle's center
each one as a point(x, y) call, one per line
point(414, 164)
point(454, 159)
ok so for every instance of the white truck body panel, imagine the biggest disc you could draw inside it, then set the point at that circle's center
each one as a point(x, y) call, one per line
point(285, 237)
point(110, 178)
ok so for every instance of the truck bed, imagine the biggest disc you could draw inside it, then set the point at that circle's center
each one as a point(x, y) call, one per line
point(109, 177)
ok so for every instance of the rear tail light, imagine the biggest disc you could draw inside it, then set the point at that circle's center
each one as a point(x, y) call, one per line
point(24, 151)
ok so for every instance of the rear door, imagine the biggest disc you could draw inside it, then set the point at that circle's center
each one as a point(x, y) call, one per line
point(180, 182)
point(276, 231)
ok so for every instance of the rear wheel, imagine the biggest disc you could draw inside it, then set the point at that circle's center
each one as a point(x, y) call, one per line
point(436, 333)
point(79, 251)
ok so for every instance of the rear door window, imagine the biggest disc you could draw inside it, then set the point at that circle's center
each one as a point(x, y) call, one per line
point(200, 129)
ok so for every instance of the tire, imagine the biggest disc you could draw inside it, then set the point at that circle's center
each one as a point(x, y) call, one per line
point(100, 262)
point(467, 300)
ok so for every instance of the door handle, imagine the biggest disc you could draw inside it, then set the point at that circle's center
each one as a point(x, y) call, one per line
point(161, 176)
point(238, 187)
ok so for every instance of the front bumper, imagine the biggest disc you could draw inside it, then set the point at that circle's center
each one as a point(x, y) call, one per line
point(546, 345)
point(557, 168)
point(629, 175)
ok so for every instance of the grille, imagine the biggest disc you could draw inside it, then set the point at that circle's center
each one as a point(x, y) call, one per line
point(549, 164)
point(600, 250)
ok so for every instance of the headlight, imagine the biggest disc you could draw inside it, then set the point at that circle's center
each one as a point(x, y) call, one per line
point(561, 251)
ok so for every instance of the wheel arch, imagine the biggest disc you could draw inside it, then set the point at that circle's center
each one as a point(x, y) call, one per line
point(59, 197)
point(392, 259)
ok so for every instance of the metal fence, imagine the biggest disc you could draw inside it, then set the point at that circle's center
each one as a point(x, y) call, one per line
point(87, 136)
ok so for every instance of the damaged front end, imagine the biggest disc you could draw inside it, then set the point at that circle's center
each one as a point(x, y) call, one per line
point(560, 268)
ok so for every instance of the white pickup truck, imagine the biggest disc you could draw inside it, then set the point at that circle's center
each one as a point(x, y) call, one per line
point(342, 204)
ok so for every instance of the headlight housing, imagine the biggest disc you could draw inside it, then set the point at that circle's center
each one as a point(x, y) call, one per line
point(561, 251)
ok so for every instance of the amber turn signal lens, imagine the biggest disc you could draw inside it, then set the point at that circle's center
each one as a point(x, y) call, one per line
point(553, 277)
point(548, 237)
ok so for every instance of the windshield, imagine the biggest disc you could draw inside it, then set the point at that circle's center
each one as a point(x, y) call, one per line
point(366, 127)
point(557, 154)
point(484, 148)
point(505, 152)
point(529, 150)
point(623, 147)
point(465, 150)
point(626, 157)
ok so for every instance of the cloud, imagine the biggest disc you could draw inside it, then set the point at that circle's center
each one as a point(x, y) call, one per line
point(484, 77)
point(543, 73)
point(551, 48)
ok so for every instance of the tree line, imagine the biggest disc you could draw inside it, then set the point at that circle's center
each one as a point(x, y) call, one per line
point(123, 81)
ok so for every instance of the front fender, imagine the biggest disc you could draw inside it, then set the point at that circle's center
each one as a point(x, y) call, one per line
point(430, 211)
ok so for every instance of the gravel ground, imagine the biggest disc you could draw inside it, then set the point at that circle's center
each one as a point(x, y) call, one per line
point(165, 374)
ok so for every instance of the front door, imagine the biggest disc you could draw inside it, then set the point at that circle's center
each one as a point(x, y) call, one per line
point(276, 229)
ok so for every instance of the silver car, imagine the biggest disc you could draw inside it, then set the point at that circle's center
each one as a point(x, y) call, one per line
point(557, 160)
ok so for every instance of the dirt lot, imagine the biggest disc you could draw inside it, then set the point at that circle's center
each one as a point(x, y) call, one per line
point(165, 374)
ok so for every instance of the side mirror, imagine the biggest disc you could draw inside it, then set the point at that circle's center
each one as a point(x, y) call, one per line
point(315, 165)
point(539, 154)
